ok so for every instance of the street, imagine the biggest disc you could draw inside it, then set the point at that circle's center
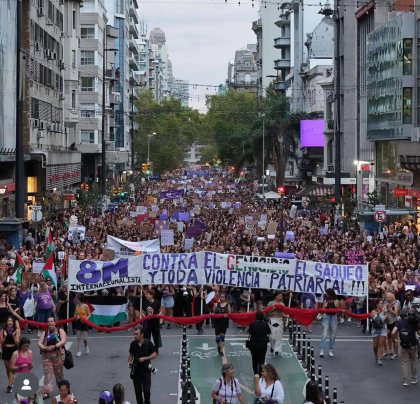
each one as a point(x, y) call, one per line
point(353, 369)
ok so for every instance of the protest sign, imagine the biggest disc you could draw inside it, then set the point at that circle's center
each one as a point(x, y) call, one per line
point(141, 210)
point(207, 268)
point(166, 238)
point(125, 248)
point(76, 234)
point(354, 256)
point(179, 193)
point(290, 236)
point(37, 267)
point(60, 255)
point(188, 244)
point(272, 227)
point(30, 277)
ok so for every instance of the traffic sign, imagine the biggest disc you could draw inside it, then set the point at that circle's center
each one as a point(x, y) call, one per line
point(36, 208)
point(36, 215)
point(380, 216)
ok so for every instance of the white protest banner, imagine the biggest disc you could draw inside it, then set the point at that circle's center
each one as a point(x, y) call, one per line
point(125, 248)
point(207, 268)
point(37, 267)
point(133, 214)
point(166, 238)
point(76, 234)
point(141, 210)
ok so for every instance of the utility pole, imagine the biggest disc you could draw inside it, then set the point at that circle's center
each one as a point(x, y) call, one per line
point(132, 120)
point(103, 154)
point(20, 96)
point(337, 117)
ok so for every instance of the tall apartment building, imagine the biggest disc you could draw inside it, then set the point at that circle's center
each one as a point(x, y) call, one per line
point(7, 105)
point(54, 164)
point(180, 90)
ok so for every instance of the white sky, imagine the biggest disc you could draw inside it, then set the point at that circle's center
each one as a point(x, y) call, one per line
point(202, 37)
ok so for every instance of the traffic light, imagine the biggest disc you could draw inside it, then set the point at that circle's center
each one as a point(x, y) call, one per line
point(87, 187)
point(144, 168)
point(280, 190)
point(148, 169)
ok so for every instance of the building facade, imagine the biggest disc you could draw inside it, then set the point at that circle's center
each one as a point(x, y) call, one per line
point(244, 74)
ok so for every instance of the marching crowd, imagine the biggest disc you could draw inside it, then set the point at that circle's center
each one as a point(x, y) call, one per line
point(393, 256)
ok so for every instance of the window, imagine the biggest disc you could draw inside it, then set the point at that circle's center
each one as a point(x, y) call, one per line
point(88, 84)
point(74, 19)
point(87, 136)
point(87, 110)
point(407, 56)
point(87, 57)
point(73, 59)
point(87, 32)
point(73, 98)
point(407, 105)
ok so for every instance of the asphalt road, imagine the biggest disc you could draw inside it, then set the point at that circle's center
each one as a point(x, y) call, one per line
point(353, 370)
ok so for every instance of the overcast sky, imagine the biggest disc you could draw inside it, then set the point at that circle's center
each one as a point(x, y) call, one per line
point(202, 37)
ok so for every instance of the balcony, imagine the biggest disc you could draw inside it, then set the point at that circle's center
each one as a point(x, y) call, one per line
point(281, 64)
point(133, 62)
point(133, 10)
point(133, 45)
point(282, 42)
point(284, 20)
point(133, 29)
point(281, 85)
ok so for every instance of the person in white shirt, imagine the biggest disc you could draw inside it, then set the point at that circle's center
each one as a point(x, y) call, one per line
point(227, 389)
point(268, 387)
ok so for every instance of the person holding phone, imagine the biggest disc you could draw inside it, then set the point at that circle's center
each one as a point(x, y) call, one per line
point(268, 387)
point(64, 396)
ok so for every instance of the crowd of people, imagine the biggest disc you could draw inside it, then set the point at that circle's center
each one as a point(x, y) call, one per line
point(217, 204)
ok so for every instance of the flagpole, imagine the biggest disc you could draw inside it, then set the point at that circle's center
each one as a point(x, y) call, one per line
point(68, 301)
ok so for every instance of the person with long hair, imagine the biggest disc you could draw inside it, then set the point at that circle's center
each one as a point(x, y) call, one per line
point(82, 312)
point(268, 387)
point(259, 332)
point(10, 337)
point(51, 343)
point(44, 304)
point(118, 392)
point(221, 324)
point(329, 323)
point(167, 302)
point(21, 360)
point(312, 393)
point(64, 396)
point(379, 331)
point(227, 389)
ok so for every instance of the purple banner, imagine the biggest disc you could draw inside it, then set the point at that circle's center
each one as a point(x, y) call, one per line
point(183, 217)
point(179, 193)
point(280, 254)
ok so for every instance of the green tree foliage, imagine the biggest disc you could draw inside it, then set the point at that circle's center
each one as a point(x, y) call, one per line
point(176, 128)
point(231, 119)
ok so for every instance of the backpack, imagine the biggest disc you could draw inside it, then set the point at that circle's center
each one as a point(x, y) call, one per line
point(377, 323)
point(405, 338)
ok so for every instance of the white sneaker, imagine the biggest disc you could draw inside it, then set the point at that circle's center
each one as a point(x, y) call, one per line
point(79, 353)
point(341, 320)
point(349, 319)
point(331, 353)
point(39, 333)
point(87, 350)
point(321, 353)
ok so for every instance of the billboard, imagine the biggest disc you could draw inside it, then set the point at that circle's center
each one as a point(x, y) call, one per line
point(312, 133)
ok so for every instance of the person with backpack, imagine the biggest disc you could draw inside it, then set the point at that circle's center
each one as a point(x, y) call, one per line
point(379, 331)
point(227, 389)
point(408, 329)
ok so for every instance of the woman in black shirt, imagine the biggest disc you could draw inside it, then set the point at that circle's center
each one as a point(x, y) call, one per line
point(259, 331)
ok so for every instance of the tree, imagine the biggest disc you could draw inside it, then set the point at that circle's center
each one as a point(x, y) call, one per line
point(231, 118)
point(176, 127)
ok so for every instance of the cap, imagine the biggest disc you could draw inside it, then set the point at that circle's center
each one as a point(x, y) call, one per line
point(106, 396)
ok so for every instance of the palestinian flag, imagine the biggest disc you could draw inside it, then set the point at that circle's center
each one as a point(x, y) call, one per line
point(49, 251)
point(48, 236)
point(107, 310)
point(20, 265)
point(49, 271)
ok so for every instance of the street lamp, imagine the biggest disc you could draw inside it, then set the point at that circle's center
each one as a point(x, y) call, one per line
point(148, 145)
point(263, 156)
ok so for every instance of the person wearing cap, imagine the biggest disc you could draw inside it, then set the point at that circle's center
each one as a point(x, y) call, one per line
point(105, 397)
point(141, 353)
point(227, 389)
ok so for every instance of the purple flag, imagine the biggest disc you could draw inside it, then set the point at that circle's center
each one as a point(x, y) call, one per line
point(184, 217)
point(179, 193)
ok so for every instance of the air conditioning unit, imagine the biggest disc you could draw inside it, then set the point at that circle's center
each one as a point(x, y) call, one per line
point(35, 123)
point(36, 46)
point(40, 11)
point(117, 98)
point(42, 125)
point(50, 127)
